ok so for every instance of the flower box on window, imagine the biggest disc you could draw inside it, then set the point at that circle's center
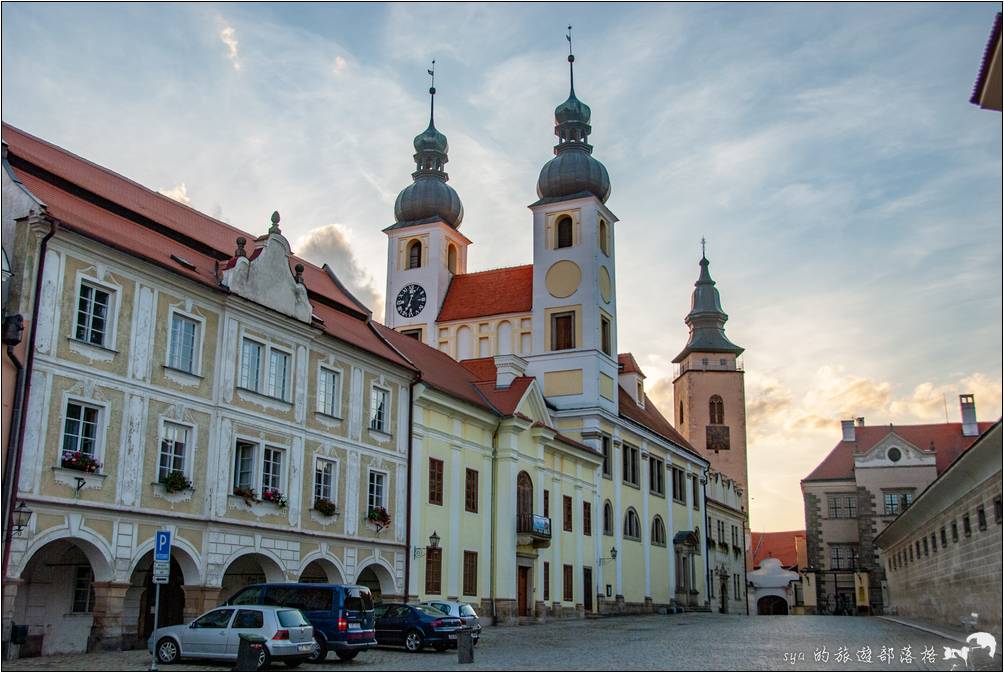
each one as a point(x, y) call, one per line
point(379, 517)
point(247, 493)
point(77, 460)
point(175, 482)
point(325, 507)
point(274, 496)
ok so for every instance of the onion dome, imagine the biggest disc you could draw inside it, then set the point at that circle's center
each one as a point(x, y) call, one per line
point(429, 198)
point(573, 171)
point(706, 319)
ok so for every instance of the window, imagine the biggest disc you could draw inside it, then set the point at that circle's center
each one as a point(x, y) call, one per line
point(679, 485)
point(184, 339)
point(629, 456)
point(569, 594)
point(217, 619)
point(604, 238)
point(641, 393)
point(608, 519)
point(566, 512)
point(433, 570)
point(934, 542)
point(632, 526)
point(470, 573)
point(414, 254)
point(656, 476)
point(83, 589)
point(944, 538)
point(564, 233)
point(471, 491)
point(605, 341)
point(451, 258)
point(605, 447)
point(248, 619)
point(271, 469)
point(547, 581)
point(250, 377)
point(587, 518)
point(716, 409)
point(658, 531)
point(967, 528)
point(842, 505)
point(997, 509)
point(93, 315)
point(244, 466)
point(721, 530)
point(379, 409)
point(278, 374)
point(844, 557)
point(377, 490)
point(695, 493)
point(415, 334)
point(562, 331)
point(927, 550)
point(735, 536)
point(955, 531)
point(896, 502)
point(916, 544)
point(547, 502)
point(524, 500)
point(435, 481)
point(329, 392)
point(80, 431)
point(681, 412)
point(324, 479)
point(172, 449)
point(981, 518)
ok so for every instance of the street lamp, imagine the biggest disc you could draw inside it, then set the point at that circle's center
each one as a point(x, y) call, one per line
point(22, 515)
point(613, 556)
point(433, 544)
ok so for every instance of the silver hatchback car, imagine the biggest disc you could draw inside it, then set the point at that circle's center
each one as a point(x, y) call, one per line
point(465, 611)
point(288, 635)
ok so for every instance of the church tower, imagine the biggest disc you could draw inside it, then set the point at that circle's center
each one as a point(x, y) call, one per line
point(709, 392)
point(574, 289)
point(425, 248)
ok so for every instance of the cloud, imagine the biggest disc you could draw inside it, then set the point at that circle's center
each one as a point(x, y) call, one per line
point(330, 245)
point(339, 65)
point(229, 37)
point(179, 193)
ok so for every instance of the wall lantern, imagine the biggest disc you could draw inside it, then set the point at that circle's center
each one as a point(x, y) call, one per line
point(22, 515)
point(433, 544)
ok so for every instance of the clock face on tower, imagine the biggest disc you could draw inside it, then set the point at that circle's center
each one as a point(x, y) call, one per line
point(410, 300)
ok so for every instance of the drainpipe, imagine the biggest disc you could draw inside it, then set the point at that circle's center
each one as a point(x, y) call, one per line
point(707, 549)
point(746, 572)
point(25, 377)
point(13, 329)
point(494, 515)
point(407, 526)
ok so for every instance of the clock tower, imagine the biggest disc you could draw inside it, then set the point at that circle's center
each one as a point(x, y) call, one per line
point(424, 247)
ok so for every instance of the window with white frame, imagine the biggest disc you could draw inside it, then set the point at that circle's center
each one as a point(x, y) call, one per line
point(183, 353)
point(325, 477)
point(329, 392)
point(94, 305)
point(377, 491)
point(173, 448)
point(244, 466)
point(278, 374)
point(379, 409)
point(251, 352)
point(271, 469)
point(80, 430)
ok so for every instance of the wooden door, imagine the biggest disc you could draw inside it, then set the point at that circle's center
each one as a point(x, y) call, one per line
point(522, 584)
point(587, 589)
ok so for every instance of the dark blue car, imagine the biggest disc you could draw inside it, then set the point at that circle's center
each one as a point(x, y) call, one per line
point(415, 627)
point(342, 615)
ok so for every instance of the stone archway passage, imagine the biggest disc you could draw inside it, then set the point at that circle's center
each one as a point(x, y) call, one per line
point(143, 590)
point(376, 578)
point(248, 569)
point(772, 605)
point(321, 571)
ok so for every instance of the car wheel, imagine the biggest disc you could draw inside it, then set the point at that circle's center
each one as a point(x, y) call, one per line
point(264, 659)
point(319, 653)
point(346, 655)
point(167, 651)
point(413, 641)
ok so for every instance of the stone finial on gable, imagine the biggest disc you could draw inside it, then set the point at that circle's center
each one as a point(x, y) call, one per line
point(265, 278)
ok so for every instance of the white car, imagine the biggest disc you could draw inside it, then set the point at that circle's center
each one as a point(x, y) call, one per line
point(288, 635)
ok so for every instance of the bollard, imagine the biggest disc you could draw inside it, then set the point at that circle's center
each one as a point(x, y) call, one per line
point(465, 646)
point(249, 652)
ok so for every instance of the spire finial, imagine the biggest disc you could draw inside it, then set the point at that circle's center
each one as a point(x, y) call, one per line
point(432, 92)
point(571, 60)
point(274, 229)
point(703, 243)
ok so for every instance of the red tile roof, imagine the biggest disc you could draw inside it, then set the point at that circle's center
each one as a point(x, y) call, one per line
point(780, 545)
point(946, 438)
point(651, 418)
point(482, 368)
point(505, 399)
point(628, 365)
point(485, 293)
point(104, 206)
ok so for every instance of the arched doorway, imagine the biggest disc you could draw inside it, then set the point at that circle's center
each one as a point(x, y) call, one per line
point(140, 601)
point(249, 569)
point(771, 605)
point(378, 580)
point(321, 571)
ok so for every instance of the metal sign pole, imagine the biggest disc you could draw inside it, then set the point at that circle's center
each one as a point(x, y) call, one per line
point(156, 616)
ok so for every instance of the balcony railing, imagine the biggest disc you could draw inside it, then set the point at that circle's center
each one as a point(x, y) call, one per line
point(711, 365)
point(533, 524)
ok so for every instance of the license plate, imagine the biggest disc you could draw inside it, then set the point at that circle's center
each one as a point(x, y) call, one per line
point(354, 625)
point(306, 647)
point(453, 636)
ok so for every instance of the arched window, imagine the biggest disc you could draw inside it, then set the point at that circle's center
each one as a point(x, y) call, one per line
point(604, 237)
point(717, 409)
point(681, 412)
point(414, 254)
point(451, 258)
point(608, 519)
point(632, 526)
point(658, 531)
point(564, 238)
point(524, 501)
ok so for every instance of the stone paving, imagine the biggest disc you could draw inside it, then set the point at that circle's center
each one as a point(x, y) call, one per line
point(677, 642)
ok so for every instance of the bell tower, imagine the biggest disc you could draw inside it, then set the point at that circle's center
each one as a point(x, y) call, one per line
point(425, 248)
point(574, 289)
point(708, 390)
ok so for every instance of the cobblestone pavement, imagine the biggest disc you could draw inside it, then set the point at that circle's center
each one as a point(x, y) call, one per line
point(676, 642)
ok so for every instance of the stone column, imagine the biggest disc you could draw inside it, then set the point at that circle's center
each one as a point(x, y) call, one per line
point(10, 589)
point(199, 599)
point(106, 629)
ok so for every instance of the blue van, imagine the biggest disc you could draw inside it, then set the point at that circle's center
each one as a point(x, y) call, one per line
point(342, 615)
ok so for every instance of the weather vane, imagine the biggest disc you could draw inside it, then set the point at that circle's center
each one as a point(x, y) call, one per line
point(568, 36)
point(703, 242)
point(432, 92)
point(432, 73)
point(571, 59)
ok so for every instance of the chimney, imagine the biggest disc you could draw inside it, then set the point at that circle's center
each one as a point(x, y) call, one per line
point(860, 421)
point(848, 429)
point(507, 369)
point(967, 403)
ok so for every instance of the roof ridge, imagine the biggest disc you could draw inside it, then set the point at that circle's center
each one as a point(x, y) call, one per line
point(495, 270)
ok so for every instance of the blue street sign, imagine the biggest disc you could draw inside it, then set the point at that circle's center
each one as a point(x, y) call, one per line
point(162, 546)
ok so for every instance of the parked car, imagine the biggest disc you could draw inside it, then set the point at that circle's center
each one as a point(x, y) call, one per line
point(415, 626)
point(465, 611)
point(341, 614)
point(288, 635)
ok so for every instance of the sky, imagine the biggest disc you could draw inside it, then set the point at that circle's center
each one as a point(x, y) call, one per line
point(849, 192)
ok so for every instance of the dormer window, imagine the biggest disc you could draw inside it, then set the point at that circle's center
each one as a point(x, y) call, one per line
point(414, 255)
point(564, 233)
point(641, 393)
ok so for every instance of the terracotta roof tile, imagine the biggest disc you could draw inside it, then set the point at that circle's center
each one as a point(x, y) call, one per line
point(628, 365)
point(505, 399)
point(482, 368)
point(781, 545)
point(484, 293)
point(947, 438)
point(651, 418)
